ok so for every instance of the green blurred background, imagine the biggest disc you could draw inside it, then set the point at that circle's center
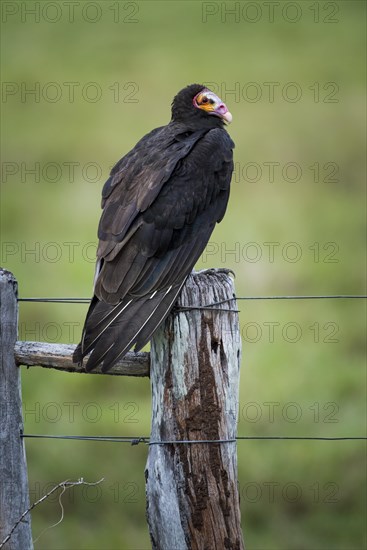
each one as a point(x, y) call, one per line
point(293, 76)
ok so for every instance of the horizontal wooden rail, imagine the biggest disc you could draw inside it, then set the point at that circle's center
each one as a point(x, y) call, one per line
point(59, 356)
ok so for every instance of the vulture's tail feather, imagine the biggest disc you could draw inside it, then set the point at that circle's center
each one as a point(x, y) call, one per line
point(131, 321)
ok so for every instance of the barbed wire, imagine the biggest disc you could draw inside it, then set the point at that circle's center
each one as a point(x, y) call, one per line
point(207, 307)
point(57, 300)
point(64, 485)
point(285, 297)
point(311, 297)
point(146, 439)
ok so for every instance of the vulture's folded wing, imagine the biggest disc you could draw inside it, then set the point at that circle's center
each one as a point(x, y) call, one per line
point(157, 219)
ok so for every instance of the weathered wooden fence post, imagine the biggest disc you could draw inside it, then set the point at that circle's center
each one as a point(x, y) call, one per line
point(14, 499)
point(192, 494)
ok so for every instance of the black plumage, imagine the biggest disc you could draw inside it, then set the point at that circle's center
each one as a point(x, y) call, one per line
point(160, 205)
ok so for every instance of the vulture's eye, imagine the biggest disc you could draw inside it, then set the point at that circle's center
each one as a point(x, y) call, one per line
point(204, 100)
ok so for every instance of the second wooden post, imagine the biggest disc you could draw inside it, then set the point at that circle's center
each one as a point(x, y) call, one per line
point(192, 494)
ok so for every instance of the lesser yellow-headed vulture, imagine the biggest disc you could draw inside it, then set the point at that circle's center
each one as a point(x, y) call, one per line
point(160, 205)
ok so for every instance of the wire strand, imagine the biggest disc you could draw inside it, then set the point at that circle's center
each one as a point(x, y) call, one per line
point(64, 485)
point(302, 297)
point(146, 439)
point(57, 300)
point(312, 297)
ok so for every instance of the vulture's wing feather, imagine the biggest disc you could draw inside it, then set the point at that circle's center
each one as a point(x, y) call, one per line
point(159, 212)
point(137, 179)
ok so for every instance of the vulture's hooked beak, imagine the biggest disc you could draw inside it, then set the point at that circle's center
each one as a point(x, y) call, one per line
point(210, 103)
